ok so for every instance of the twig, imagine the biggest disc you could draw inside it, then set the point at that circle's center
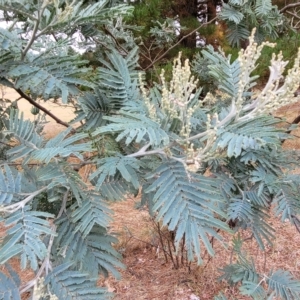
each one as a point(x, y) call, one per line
point(24, 288)
point(63, 205)
point(117, 43)
point(249, 238)
point(296, 222)
point(142, 152)
point(182, 250)
point(14, 207)
point(162, 242)
point(174, 248)
point(161, 151)
point(206, 252)
point(163, 236)
point(24, 52)
point(293, 14)
point(171, 255)
point(132, 236)
point(35, 29)
point(289, 6)
point(17, 11)
point(11, 27)
point(46, 111)
point(231, 114)
point(76, 166)
point(265, 261)
point(183, 38)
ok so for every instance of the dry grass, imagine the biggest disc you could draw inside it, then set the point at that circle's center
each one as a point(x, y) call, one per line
point(149, 276)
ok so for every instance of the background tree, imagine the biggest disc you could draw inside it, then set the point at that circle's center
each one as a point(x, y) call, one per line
point(236, 20)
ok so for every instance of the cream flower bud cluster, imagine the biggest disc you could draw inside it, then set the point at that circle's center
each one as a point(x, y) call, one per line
point(248, 57)
point(196, 157)
point(63, 15)
point(149, 105)
point(209, 99)
point(208, 121)
point(222, 96)
point(285, 93)
point(275, 94)
point(177, 95)
point(247, 60)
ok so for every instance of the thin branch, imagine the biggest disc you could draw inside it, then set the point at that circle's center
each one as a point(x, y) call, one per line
point(289, 6)
point(142, 152)
point(197, 136)
point(63, 205)
point(171, 255)
point(157, 55)
point(115, 40)
point(293, 14)
point(183, 38)
point(14, 207)
point(296, 222)
point(161, 241)
point(74, 165)
point(150, 59)
point(11, 27)
point(249, 238)
point(24, 288)
point(206, 252)
point(35, 29)
point(161, 151)
point(46, 111)
point(17, 11)
point(132, 236)
point(265, 261)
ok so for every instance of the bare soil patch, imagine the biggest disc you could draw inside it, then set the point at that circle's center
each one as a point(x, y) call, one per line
point(51, 128)
point(149, 277)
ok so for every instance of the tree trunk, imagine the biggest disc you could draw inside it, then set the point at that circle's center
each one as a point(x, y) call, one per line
point(211, 9)
point(187, 11)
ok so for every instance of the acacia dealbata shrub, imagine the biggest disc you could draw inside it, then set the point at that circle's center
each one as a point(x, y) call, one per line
point(204, 163)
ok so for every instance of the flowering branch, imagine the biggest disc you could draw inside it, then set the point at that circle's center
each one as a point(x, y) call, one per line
point(177, 103)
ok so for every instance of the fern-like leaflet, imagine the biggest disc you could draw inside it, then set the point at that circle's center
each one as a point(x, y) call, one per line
point(68, 284)
point(187, 203)
point(135, 127)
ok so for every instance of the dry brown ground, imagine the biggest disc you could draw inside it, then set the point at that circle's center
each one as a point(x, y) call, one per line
point(148, 276)
point(64, 112)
